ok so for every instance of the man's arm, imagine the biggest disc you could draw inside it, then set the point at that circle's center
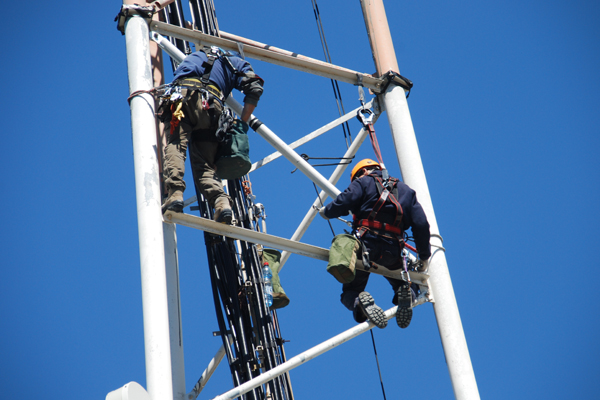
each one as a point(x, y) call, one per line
point(420, 229)
point(247, 112)
point(251, 85)
point(346, 201)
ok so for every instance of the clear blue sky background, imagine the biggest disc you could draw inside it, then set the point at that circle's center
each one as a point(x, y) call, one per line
point(506, 112)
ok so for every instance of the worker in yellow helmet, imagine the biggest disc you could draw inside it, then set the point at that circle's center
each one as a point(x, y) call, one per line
point(383, 209)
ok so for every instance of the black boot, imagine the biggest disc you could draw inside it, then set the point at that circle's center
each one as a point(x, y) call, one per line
point(174, 202)
point(358, 314)
point(373, 312)
point(404, 312)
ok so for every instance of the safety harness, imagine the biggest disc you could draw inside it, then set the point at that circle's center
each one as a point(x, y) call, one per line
point(178, 92)
point(388, 194)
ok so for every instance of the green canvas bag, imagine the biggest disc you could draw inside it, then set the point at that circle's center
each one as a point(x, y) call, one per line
point(342, 257)
point(273, 257)
point(233, 156)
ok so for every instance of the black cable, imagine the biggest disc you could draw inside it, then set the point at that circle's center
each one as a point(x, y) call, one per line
point(340, 104)
point(334, 84)
point(377, 359)
point(328, 221)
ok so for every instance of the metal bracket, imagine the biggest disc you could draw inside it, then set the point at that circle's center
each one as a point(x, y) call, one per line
point(128, 11)
point(395, 78)
point(361, 92)
point(377, 106)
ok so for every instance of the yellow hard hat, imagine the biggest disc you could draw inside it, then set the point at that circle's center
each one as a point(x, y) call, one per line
point(367, 162)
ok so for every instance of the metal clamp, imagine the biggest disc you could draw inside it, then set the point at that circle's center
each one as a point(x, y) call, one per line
point(128, 11)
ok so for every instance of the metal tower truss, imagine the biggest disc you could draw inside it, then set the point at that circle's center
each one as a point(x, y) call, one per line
point(250, 332)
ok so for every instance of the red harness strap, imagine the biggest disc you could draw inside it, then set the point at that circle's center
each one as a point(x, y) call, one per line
point(391, 230)
point(380, 226)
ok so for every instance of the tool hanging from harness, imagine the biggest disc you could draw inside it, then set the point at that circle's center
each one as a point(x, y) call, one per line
point(180, 91)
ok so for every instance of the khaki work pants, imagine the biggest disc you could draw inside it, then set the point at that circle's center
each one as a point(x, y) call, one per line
point(202, 154)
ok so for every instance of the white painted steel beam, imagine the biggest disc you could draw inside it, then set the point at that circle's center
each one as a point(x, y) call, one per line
point(413, 174)
point(147, 185)
point(311, 136)
point(319, 201)
point(212, 366)
point(267, 134)
point(288, 153)
point(167, 46)
point(302, 358)
point(247, 235)
point(263, 52)
point(173, 297)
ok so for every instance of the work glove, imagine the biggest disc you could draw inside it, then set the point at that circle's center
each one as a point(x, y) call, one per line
point(422, 265)
point(322, 212)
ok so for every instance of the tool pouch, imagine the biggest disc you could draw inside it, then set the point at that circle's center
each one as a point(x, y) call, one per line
point(233, 156)
point(163, 111)
point(342, 257)
point(273, 257)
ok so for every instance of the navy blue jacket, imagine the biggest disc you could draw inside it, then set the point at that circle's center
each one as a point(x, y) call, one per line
point(360, 197)
point(223, 76)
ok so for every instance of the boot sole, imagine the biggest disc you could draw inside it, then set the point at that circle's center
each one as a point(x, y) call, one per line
point(373, 312)
point(225, 217)
point(176, 206)
point(404, 312)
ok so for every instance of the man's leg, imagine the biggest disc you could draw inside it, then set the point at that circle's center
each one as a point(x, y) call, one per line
point(404, 295)
point(361, 303)
point(350, 291)
point(202, 159)
point(174, 166)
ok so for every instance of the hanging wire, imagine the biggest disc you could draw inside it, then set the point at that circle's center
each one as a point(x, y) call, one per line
point(347, 160)
point(319, 197)
point(334, 84)
point(377, 359)
point(347, 135)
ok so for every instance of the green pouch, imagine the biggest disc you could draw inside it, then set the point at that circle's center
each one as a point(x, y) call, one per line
point(233, 156)
point(342, 257)
point(273, 257)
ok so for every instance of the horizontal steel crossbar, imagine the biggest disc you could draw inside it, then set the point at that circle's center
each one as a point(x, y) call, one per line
point(276, 242)
point(310, 136)
point(302, 358)
point(281, 58)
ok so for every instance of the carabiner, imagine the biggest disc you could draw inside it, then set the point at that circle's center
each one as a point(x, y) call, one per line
point(365, 119)
point(204, 97)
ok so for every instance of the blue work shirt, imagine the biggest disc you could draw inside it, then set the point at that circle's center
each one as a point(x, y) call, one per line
point(222, 75)
point(360, 197)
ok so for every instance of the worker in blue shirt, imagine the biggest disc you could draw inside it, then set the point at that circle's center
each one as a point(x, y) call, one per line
point(380, 220)
point(192, 113)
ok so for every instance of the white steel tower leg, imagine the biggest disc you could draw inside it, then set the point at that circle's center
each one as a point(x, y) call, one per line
point(175, 334)
point(407, 150)
point(150, 225)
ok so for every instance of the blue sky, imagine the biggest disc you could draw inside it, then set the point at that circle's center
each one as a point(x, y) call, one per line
point(505, 109)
